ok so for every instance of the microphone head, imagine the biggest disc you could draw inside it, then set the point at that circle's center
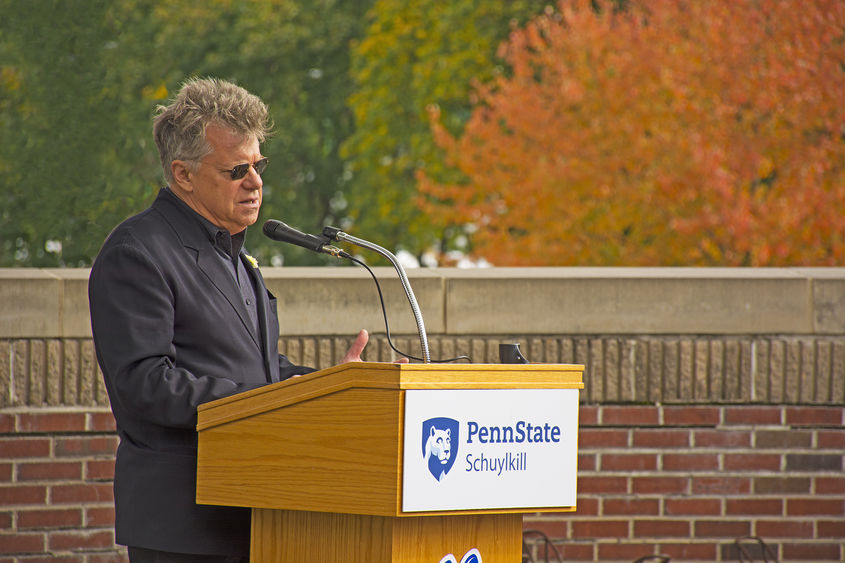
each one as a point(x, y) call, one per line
point(271, 226)
point(279, 231)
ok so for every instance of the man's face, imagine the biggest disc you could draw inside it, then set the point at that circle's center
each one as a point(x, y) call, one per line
point(230, 204)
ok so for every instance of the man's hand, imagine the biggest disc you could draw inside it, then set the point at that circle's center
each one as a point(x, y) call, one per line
point(357, 347)
point(354, 352)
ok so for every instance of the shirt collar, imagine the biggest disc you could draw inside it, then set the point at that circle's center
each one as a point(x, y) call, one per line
point(230, 245)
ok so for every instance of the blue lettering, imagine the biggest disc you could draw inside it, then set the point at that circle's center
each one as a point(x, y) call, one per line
point(510, 461)
point(472, 428)
point(507, 434)
point(495, 434)
point(520, 431)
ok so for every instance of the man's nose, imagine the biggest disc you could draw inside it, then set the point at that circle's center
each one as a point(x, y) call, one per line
point(252, 180)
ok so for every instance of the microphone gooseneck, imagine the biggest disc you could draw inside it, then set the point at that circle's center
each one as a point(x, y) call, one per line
point(337, 234)
point(279, 231)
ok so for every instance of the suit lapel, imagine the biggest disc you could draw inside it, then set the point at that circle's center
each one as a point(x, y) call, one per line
point(263, 306)
point(195, 240)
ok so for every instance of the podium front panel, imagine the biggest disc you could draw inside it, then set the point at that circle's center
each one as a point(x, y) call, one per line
point(285, 535)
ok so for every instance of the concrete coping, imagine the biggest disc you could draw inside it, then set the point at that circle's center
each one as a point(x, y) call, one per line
point(53, 303)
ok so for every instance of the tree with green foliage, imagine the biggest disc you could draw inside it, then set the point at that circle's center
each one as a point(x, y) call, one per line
point(76, 102)
point(70, 166)
point(415, 54)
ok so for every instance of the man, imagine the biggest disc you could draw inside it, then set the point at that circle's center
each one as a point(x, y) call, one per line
point(181, 316)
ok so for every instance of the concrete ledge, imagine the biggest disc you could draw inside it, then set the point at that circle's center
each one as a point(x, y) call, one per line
point(828, 287)
point(74, 318)
point(569, 301)
point(635, 301)
point(341, 301)
point(30, 303)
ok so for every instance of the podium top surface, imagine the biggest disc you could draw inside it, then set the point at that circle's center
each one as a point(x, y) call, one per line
point(389, 376)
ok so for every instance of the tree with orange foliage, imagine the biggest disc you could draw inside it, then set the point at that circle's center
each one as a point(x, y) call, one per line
point(669, 133)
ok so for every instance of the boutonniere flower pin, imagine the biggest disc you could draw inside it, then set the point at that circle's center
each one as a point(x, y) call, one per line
point(252, 261)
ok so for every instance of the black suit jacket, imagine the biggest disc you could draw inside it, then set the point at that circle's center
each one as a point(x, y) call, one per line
point(171, 332)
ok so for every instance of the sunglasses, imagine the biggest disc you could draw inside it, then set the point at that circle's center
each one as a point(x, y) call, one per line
point(240, 170)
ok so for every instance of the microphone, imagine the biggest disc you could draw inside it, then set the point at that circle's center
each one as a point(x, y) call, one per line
point(282, 232)
point(277, 230)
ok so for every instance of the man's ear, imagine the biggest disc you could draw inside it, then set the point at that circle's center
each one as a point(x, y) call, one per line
point(181, 175)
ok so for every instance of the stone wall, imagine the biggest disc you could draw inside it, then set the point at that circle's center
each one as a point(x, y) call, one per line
point(712, 408)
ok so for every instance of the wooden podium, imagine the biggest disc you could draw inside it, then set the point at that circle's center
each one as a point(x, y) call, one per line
point(319, 459)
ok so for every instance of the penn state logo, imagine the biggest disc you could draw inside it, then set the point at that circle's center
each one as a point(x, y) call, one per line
point(438, 435)
point(471, 556)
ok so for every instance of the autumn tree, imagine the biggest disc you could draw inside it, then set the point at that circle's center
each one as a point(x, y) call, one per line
point(669, 133)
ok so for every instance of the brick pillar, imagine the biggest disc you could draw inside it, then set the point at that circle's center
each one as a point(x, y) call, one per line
point(56, 471)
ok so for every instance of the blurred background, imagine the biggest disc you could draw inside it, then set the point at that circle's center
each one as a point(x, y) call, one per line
point(468, 132)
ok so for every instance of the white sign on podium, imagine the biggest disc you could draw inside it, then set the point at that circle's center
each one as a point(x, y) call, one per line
point(490, 448)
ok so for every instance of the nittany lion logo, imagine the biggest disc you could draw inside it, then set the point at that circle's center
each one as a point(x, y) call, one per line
point(471, 556)
point(438, 435)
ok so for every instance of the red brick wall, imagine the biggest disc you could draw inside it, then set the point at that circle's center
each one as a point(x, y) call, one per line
point(684, 481)
point(56, 470)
